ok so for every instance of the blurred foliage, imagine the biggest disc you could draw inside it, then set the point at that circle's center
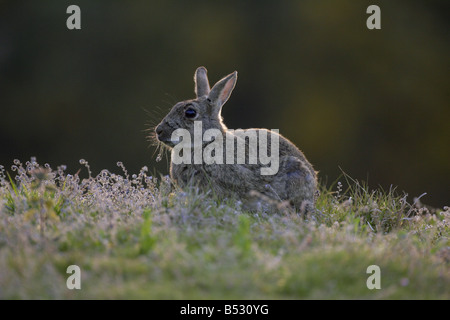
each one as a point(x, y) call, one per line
point(373, 102)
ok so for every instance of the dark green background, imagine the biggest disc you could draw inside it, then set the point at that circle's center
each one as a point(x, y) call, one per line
point(374, 102)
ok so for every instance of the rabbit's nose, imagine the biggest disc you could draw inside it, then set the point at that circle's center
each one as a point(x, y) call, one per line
point(158, 130)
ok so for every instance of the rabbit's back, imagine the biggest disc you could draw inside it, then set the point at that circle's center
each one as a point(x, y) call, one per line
point(294, 181)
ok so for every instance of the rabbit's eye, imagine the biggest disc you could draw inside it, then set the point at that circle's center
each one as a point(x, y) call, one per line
point(190, 113)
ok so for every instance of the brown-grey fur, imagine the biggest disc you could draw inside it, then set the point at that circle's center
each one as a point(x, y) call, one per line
point(293, 186)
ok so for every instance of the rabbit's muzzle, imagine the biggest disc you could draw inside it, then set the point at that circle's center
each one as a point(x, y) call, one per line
point(164, 135)
point(159, 132)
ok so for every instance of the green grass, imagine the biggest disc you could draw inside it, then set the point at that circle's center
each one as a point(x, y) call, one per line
point(139, 237)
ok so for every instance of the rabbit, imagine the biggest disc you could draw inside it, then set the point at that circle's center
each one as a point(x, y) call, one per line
point(292, 187)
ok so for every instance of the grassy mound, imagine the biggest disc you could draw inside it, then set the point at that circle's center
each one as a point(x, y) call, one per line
point(138, 237)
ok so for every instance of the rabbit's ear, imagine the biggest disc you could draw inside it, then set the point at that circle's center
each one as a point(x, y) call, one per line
point(222, 90)
point(201, 82)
